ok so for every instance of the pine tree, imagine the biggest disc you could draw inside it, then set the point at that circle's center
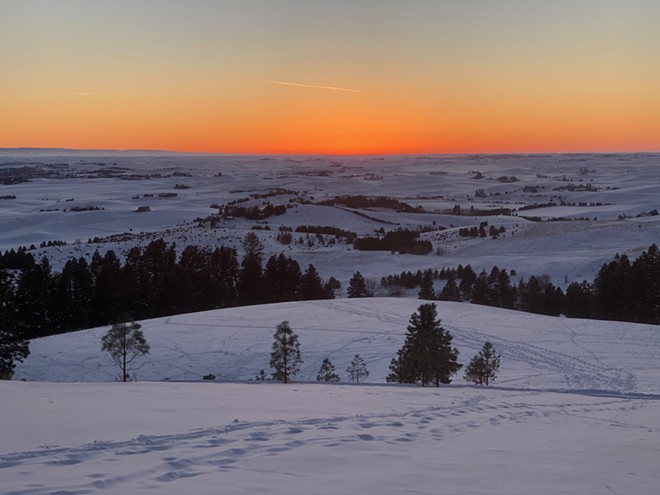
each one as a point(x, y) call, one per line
point(426, 356)
point(483, 367)
point(481, 290)
point(125, 342)
point(450, 291)
point(281, 279)
point(33, 301)
point(13, 348)
point(285, 356)
point(357, 370)
point(104, 302)
point(327, 372)
point(250, 279)
point(426, 290)
point(357, 287)
point(311, 287)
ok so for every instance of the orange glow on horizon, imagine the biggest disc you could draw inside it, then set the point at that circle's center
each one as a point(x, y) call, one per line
point(226, 77)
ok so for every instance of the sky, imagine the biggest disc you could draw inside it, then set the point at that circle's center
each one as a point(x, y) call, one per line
point(331, 76)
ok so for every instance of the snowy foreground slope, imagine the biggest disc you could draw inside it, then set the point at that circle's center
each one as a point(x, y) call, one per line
point(576, 409)
point(173, 438)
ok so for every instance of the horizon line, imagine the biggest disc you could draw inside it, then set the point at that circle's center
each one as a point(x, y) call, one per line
point(293, 153)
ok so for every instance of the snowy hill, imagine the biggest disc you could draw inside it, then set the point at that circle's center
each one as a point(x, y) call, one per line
point(576, 409)
point(234, 344)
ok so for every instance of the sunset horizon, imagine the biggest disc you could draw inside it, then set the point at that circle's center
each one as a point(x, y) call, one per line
point(342, 78)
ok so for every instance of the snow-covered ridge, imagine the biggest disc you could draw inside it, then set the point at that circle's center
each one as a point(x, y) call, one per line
point(234, 344)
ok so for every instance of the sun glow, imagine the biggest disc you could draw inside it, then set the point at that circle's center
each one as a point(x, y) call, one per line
point(439, 77)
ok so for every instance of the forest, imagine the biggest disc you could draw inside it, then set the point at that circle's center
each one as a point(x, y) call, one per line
point(154, 281)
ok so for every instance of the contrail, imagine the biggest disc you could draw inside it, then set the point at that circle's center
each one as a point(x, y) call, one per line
point(332, 88)
point(82, 93)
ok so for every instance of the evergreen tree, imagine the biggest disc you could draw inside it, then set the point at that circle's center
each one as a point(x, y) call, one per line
point(104, 303)
point(150, 266)
point(609, 288)
point(190, 286)
point(552, 300)
point(224, 269)
point(311, 287)
point(285, 356)
point(450, 291)
point(483, 367)
point(578, 302)
point(250, 280)
point(71, 295)
point(426, 290)
point(468, 279)
point(642, 288)
point(502, 293)
point(357, 370)
point(327, 372)
point(33, 301)
point(281, 279)
point(531, 295)
point(125, 342)
point(426, 356)
point(481, 290)
point(357, 286)
point(12, 349)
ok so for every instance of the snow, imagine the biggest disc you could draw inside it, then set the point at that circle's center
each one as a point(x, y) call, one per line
point(235, 343)
point(575, 408)
point(627, 185)
point(171, 438)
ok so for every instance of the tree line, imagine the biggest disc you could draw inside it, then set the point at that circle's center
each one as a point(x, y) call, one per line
point(622, 290)
point(152, 281)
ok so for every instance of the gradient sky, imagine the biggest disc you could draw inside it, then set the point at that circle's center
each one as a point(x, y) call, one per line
point(363, 76)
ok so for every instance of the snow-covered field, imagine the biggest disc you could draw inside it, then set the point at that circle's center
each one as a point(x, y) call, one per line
point(603, 188)
point(173, 438)
point(575, 409)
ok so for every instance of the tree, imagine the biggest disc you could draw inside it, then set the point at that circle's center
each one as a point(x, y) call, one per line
point(357, 369)
point(426, 290)
point(281, 279)
point(249, 287)
point(32, 300)
point(311, 286)
point(285, 357)
point(427, 355)
point(104, 302)
point(12, 349)
point(357, 286)
point(327, 372)
point(483, 367)
point(125, 342)
point(450, 291)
